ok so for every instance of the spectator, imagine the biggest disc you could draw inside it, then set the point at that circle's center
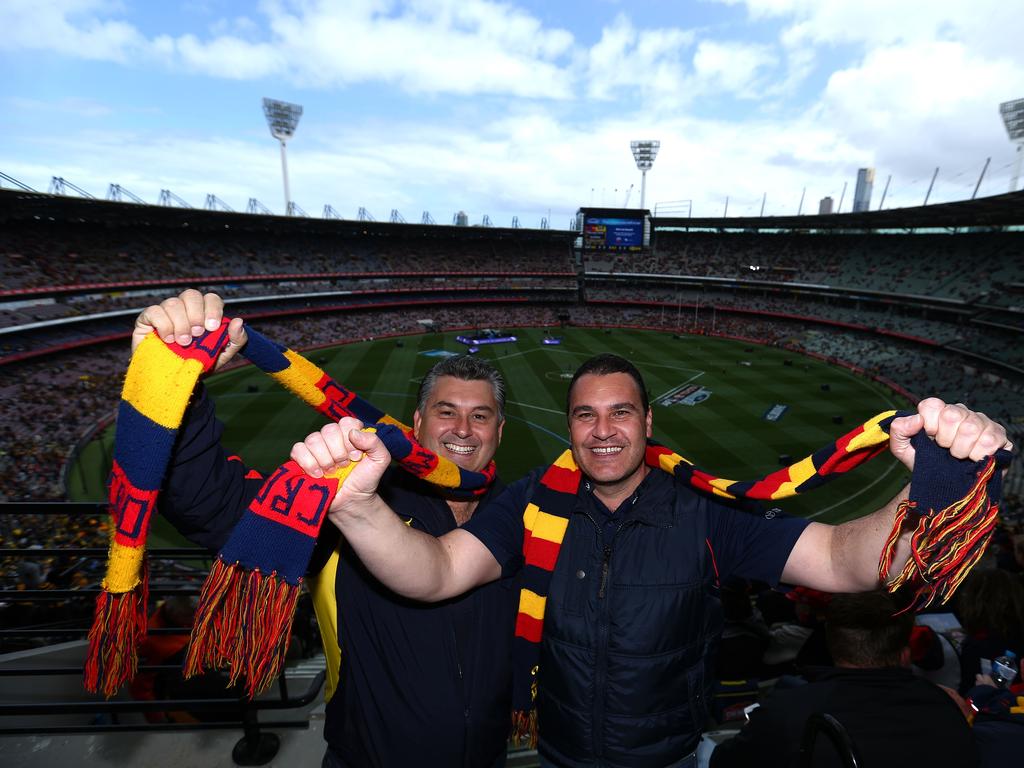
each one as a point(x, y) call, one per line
point(893, 717)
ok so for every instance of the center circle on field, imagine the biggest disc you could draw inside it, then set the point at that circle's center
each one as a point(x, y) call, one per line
point(558, 376)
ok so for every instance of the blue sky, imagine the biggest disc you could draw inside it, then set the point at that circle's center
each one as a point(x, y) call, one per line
point(510, 108)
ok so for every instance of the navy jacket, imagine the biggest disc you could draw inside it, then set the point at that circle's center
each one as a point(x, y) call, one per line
point(632, 618)
point(420, 684)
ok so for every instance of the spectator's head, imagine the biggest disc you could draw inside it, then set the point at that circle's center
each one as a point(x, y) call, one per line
point(460, 411)
point(991, 601)
point(609, 422)
point(864, 631)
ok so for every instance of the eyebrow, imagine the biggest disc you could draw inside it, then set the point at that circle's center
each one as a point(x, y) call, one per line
point(613, 407)
point(453, 406)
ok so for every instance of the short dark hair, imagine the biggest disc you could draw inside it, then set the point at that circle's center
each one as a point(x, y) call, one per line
point(466, 368)
point(604, 364)
point(867, 629)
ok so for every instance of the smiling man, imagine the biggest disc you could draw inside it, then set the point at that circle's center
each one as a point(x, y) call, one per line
point(623, 583)
point(408, 684)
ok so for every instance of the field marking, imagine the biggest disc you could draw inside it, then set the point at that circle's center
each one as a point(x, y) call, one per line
point(874, 482)
point(677, 386)
point(535, 407)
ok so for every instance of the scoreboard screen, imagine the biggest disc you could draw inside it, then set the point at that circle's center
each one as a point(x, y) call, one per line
point(613, 233)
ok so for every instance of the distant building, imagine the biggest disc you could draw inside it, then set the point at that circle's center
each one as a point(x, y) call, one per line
point(862, 194)
point(461, 219)
point(825, 206)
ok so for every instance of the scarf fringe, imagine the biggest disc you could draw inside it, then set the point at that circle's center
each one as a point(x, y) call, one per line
point(524, 728)
point(118, 627)
point(244, 622)
point(945, 545)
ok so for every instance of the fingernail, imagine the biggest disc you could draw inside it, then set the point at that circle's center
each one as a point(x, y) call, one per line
point(184, 339)
point(169, 338)
point(212, 324)
point(355, 455)
point(197, 330)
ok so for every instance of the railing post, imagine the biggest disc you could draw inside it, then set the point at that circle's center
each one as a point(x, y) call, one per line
point(256, 747)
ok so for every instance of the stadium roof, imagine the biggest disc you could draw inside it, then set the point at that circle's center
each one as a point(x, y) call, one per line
point(16, 205)
point(997, 211)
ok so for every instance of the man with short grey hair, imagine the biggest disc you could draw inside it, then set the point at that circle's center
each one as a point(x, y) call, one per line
point(408, 683)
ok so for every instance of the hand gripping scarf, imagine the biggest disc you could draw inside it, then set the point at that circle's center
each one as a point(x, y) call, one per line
point(953, 504)
point(248, 601)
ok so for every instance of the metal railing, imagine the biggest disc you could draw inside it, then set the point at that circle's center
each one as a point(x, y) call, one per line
point(169, 576)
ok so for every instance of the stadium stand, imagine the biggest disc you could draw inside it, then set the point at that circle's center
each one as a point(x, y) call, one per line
point(921, 312)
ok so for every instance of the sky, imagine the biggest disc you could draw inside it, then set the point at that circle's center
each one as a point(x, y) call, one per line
point(512, 109)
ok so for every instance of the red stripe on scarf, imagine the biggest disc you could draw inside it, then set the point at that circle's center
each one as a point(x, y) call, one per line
point(540, 552)
point(764, 488)
point(561, 479)
point(528, 628)
point(336, 406)
point(844, 462)
point(130, 508)
point(294, 499)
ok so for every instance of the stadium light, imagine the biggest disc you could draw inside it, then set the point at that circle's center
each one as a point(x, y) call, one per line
point(282, 118)
point(1013, 119)
point(644, 153)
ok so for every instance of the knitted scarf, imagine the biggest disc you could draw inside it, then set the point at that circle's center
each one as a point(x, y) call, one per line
point(953, 504)
point(248, 601)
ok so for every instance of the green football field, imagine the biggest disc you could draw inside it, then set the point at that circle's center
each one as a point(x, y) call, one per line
point(723, 392)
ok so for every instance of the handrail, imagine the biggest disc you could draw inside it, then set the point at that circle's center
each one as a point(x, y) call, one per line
point(165, 705)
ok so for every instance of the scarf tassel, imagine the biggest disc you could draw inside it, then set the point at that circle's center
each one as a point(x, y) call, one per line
point(945, 545)
point(118, 627)
point(243, 622)
point(524, 728)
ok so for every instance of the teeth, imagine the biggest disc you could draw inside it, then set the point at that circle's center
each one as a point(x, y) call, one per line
point(605, 451)
point(460, 449)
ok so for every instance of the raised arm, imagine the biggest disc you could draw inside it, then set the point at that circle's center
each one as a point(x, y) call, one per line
point(407, 561)
point(844, 558)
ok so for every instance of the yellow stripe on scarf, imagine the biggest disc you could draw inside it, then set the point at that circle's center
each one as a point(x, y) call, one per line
point(160, 388)
point(532, 604)
point(124, 568)
point(541, 525)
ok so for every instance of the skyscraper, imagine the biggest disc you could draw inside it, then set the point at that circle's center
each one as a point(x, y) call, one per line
point(862, 194)
point(825, 206)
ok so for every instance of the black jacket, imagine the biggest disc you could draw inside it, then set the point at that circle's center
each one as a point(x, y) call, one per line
point(893, 718)
point(633, 616)
point(420, 684)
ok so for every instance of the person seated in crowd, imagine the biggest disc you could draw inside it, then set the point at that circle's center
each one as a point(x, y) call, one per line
point(990, 606)
point(999, 719)
point(892, 716)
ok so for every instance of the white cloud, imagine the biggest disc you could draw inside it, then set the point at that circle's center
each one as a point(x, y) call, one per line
point(733, 67)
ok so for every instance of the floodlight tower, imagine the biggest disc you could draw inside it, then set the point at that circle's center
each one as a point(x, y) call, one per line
point(1013, 119)
point(282, 118)
point(644, 153)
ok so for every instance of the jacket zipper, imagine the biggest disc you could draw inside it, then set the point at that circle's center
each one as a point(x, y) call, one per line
point(600, 661)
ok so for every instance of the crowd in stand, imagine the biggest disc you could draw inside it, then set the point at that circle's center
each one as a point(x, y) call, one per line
point(35, 254)
point(970, 267)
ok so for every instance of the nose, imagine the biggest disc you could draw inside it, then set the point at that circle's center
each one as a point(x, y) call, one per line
point(462, 426)
point(603, 427)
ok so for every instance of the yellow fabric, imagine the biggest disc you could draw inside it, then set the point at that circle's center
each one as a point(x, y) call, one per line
point(445, 474)
point(124, 568)
point(160, 388)
point(325, 604)
point(800, 471)
point(300, 378)
point(566, 461)
point(532, 604)
point(872, 434)
point(542, 525)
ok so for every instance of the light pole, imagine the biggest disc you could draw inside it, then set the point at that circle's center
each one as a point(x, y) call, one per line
point(282, 118)
point(1013, 119)
point(644, 153)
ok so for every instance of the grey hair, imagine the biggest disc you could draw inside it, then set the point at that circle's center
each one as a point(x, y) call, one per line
point(466, 368)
